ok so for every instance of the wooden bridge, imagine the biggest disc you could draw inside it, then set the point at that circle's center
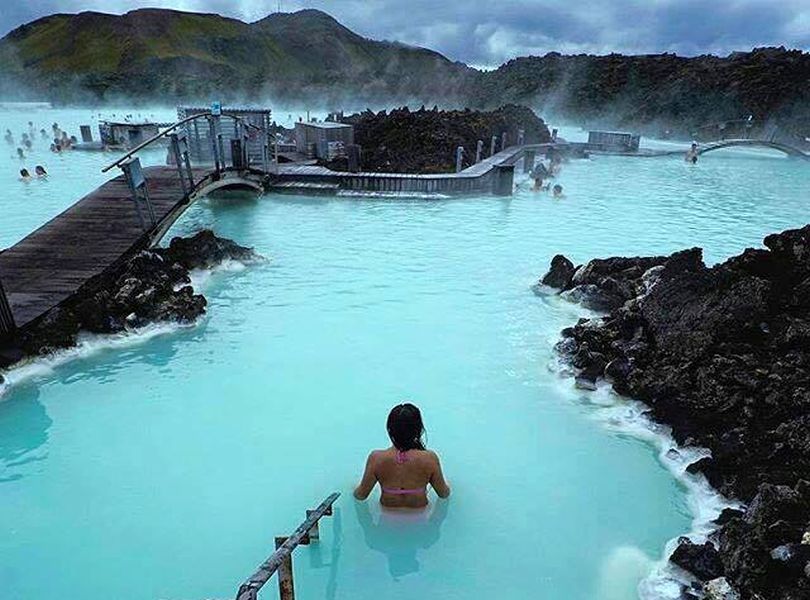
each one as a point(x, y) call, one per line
point(786, 149)
point(106, 227)
point(134, 210)
point(750, 143)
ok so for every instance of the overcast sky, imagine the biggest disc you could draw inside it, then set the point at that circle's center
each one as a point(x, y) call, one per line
point(489, 32)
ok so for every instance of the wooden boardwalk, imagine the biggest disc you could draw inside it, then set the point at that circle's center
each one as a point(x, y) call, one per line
point(102, 229)
point(52, 263)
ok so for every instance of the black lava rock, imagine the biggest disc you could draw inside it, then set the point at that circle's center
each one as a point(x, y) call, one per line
point(702, 560)
point(560, 274)
point(722, 355)
point(152, 286)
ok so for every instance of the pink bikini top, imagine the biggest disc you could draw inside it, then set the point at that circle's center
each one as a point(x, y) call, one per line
point(402, 458)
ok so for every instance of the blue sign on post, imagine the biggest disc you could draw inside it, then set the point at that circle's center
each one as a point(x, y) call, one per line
point(132, 168)
point(216, 109)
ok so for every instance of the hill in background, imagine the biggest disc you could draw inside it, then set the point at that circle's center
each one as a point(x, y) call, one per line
point(307, 57)
point(167, 55)
point(657, 91)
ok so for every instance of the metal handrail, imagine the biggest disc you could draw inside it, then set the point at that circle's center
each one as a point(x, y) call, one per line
point(167, 131)
point(281, 559)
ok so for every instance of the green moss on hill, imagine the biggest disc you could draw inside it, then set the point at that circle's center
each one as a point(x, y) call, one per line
point(168, 55)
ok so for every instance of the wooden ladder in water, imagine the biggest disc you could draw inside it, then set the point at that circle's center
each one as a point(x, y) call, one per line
point(281, 560)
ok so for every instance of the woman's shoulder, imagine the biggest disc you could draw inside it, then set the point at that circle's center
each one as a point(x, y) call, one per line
point(380, 454)
point(426, 455)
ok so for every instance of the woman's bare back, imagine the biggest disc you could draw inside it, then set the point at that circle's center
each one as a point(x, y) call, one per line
point(403, 477)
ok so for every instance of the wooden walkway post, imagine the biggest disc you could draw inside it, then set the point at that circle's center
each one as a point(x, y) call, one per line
point(140, 194)
point(286, 585)
point(212, 133)
point(528, 160)
point(178, 161)
point(493, 145)
point(504, 180)
point(479, 149)
point(237, 155)
point(7, 325)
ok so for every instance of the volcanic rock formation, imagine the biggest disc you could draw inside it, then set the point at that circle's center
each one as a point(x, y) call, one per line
point(722, 355)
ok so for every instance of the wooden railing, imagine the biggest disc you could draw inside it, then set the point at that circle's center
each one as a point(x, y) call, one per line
point(281, 560)
point(130, 164)
point(170, 130)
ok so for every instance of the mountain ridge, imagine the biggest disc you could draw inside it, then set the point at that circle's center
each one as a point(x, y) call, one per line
point(182, 55)
point(170, 56)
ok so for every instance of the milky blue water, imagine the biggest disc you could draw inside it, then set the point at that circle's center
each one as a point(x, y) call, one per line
point(164, 467)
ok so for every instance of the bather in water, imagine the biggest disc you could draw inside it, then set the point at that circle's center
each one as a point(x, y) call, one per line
point(692, 154)
point(406, 468)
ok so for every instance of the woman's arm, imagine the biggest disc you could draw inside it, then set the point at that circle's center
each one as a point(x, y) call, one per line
point(437, 478)
point(362, 491)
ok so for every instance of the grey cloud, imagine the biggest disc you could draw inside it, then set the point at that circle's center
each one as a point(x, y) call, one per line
point(486, 32)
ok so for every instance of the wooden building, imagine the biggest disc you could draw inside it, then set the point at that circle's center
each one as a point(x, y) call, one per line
point(324, 140)
point(199, 137)
point(614, 141)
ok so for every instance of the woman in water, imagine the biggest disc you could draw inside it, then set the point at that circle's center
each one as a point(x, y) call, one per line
point(406, 468)
point(25, 175)
point(40, 171)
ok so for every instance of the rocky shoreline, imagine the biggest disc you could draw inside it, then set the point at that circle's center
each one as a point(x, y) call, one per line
point(151, 287)
point(722, 355)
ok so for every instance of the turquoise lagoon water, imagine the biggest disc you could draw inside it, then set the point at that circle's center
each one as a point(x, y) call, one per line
point(162, 466)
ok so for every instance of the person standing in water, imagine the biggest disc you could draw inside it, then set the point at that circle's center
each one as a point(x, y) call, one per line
point(41, 172)
point(539, 173)
point(557, 191)
point(538, 184)
point(692, 154)
point(406, 468)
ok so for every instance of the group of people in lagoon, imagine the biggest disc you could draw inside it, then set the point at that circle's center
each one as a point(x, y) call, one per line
point(39, 172)
point(540, 173)
point(59, 139)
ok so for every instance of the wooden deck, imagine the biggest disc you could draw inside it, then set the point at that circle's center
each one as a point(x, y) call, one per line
point(52, 263)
